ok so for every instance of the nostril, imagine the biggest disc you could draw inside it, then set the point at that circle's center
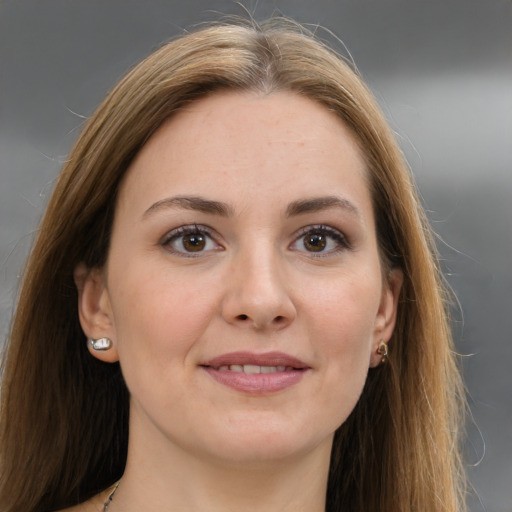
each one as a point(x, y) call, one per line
point(242, 317)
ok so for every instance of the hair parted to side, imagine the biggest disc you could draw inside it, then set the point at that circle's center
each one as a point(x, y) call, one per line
point(64, 414)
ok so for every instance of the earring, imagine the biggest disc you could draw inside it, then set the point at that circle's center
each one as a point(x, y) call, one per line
point(382, 350)
point(100, 344)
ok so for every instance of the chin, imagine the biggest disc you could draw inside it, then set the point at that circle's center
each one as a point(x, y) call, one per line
point(260, 444)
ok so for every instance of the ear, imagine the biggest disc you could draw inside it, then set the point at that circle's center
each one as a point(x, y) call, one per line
point(94, 310)
point(386, 316)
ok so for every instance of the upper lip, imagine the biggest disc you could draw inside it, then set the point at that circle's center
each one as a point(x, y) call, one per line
point(264, 359)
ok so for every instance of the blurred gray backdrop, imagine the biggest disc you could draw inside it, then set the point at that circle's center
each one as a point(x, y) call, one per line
point(442, 71)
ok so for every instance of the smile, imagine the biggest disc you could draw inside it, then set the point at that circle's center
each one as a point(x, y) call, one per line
point(256, 374)
point(252, 368)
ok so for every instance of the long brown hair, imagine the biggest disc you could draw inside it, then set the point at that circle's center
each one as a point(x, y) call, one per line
point(64, 414)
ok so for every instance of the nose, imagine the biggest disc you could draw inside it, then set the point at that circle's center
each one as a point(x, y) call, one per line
point(258, 294)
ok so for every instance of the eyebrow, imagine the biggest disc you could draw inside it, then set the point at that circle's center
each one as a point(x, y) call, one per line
point(209, 206)
point(317, 204)
point(196, 203)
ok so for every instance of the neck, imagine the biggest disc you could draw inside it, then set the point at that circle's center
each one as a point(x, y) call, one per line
point(173, 479)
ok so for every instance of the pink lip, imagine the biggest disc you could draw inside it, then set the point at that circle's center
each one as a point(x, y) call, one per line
point(265, 359)
point(256, 383)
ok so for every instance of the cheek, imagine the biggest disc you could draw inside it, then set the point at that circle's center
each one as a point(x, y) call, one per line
point(344, 310)
point(158, 315)
point(342, 321)
point(158, 319)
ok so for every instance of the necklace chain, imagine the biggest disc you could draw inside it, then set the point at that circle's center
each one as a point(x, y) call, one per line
point(110, 498)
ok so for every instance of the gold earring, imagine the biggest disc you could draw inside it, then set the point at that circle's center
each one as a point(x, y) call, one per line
point(382, 350)
point(100, 344)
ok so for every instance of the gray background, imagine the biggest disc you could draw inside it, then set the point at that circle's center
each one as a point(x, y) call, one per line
point(442, 71)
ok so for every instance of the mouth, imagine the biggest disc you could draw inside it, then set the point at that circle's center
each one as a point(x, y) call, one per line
point(253, 368)
point(256, 373)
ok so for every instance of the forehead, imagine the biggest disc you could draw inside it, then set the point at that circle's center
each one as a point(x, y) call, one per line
point(247, 143)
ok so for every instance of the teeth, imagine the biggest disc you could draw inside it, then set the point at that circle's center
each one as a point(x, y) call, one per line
point(252, 368)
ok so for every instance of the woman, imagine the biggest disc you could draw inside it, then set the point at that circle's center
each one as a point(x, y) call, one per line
point(234, 300)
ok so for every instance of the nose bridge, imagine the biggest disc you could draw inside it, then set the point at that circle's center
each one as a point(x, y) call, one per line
point(257, 294)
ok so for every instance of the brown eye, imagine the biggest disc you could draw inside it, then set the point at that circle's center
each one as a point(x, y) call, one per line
point(320, 241)
point(315, 242)
point(194, 242)
point(190, 241)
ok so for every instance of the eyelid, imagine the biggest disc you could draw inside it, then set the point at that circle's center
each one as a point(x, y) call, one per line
point(189, 229)
point(337, 235)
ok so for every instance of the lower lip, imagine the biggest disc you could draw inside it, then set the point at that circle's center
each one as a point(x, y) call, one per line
point(256, 383)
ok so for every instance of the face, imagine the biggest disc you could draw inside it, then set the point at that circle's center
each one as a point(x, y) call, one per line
point(243, 290)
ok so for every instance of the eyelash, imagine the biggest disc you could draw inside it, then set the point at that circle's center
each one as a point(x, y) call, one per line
point(183, 231)
point(338, 237)
point(203, 231)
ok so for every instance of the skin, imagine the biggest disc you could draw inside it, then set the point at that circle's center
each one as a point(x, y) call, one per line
point(257, 285)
